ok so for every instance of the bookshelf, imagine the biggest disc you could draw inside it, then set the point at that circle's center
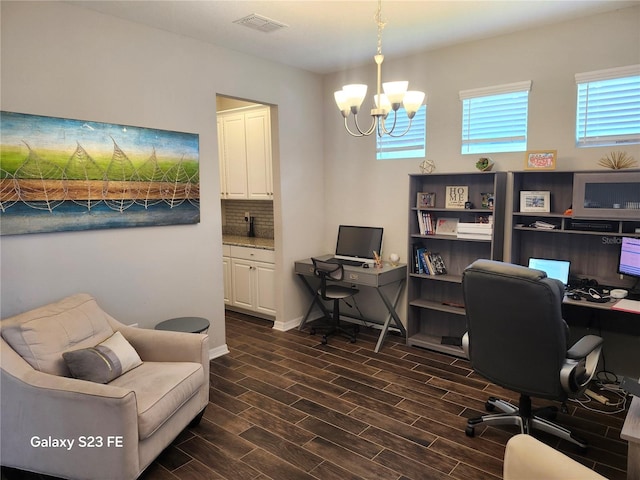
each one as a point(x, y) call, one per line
point(605, 206)
point(435, 312)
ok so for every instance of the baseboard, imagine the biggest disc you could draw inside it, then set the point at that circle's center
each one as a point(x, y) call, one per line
point(284, 326)
point(218, 351)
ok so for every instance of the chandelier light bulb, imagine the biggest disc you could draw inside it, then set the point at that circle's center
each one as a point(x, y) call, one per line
point(412, 102)
point(395, 92)
point(382, 102)
point(355, 95)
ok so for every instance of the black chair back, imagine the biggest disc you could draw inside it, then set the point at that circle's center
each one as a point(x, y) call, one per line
point(327, 271)
point(517, 336)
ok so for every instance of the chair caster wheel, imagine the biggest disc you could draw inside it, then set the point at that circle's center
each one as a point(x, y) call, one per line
point(312, 331)
point(469, 431)
point(352, 340)
point(324, 340)
point(489, 407)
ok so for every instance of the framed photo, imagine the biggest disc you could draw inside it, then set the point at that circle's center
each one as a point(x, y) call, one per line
point(447, 226)
point(540, 160)
point(426, 200)
point(486, 200)
point(456, 196)
point(535, 201)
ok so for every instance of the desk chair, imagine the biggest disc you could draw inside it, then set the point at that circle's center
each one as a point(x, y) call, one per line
point(333, 272)
point(517, 339)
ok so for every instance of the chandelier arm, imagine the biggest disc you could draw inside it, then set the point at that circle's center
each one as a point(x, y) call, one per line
point(383, 127)
point(353, 134)
point(401, 134)
point(367, 132)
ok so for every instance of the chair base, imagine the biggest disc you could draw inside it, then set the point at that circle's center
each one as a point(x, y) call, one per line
point(349, 332)
point(524, 417)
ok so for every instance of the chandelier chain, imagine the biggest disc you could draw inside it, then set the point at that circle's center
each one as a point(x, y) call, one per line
point(381, 24)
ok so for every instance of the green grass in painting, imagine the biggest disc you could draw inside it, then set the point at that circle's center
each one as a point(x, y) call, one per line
point(12, 158)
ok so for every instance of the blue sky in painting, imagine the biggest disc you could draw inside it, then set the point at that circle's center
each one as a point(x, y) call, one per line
point(96, 138)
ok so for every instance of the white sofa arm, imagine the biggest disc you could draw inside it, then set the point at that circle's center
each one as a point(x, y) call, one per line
point(56, 421)
point(526, 458)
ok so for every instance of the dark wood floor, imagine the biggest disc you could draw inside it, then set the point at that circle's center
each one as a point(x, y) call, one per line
point(285, 407)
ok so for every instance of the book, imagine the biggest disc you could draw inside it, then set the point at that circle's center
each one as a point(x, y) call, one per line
point(437, 263)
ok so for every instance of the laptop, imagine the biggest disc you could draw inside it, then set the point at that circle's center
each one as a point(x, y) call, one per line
point(558, 269)
point(355, 245)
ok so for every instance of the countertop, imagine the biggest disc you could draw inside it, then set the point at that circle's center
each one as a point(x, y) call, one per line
point(253, 242)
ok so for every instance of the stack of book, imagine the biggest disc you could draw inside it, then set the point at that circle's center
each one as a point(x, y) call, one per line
point(426, 223)
point(475, 231)
point(429, 263)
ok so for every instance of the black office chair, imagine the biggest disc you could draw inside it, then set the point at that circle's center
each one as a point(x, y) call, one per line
point(517, 339)
point(333, 272)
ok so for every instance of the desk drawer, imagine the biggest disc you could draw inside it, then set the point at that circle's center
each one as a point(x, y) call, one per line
point(256, 254)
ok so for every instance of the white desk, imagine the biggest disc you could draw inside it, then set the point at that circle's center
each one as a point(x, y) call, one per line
point(362, 277)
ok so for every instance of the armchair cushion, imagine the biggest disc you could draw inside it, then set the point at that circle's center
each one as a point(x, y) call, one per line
point(40, 336)
point(104, 362)
point(161, 389)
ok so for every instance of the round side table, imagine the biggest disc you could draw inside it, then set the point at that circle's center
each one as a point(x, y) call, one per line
point(185, 324)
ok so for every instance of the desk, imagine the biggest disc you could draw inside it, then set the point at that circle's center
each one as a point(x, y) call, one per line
point(599, 306)
point(631, 433)
point(375, 278)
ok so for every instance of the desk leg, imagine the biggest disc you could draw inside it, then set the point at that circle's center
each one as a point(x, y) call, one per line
point(391, 307)
point(314, 301)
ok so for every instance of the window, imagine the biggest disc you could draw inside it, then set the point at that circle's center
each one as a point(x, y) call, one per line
point(494, 119)
point(608, 107)
point(411, 145)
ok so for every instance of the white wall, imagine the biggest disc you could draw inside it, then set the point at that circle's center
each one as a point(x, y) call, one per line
point(362, 190)
point(65, 61)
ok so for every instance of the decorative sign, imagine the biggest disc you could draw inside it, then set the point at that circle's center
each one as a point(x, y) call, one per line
point(456, 196)
point(59, 174)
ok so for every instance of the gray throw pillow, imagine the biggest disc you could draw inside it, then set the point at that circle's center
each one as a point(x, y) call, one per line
point(104, 362)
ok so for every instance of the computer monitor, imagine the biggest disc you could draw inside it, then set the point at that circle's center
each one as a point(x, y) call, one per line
point(558, 269)
point(629, 257)
point(358, 243)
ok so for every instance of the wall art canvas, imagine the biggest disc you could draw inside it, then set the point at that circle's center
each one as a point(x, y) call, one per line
point(60, 174)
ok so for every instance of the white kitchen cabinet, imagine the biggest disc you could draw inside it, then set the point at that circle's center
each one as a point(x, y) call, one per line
point(244, 139)
point(252, 279)
point(226, 273)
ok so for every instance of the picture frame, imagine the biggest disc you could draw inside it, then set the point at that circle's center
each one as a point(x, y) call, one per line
point(447, 226)
point(426, 200)
point(456, 196)
point(535, 201)
point(540, 160)
point(486, 200)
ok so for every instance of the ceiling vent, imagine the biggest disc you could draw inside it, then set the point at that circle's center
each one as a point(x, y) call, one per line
point(259, 22)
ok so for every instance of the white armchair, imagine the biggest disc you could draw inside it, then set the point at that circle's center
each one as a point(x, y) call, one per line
point(78, 429)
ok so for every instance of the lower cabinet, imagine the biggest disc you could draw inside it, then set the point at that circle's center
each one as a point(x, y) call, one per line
point(250, 279)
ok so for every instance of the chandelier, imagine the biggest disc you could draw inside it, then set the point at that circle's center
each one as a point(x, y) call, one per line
point(350, 98)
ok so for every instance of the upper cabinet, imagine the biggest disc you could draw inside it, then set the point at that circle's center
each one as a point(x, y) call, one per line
point(244, 140)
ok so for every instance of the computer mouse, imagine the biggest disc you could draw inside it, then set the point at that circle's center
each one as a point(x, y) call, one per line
point(365, 265)
point(574, 296)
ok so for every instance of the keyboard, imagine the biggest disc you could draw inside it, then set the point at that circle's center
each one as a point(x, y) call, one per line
point(341, 261)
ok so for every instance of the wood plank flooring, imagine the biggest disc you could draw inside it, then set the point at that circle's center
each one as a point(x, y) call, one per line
point(285, 407)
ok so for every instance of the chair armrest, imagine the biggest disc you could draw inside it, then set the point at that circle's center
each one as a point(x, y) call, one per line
point(584, 347)
point(36, 404)
point(166, 346)
point(526, 458)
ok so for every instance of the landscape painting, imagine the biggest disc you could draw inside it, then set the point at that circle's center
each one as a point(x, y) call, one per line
point(60, 174)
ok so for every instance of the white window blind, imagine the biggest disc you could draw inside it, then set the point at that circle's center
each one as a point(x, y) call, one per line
point(608, 107)
point(494, 119)
point(411, 145)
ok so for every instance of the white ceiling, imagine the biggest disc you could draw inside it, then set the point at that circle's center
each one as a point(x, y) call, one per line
point(332, 35)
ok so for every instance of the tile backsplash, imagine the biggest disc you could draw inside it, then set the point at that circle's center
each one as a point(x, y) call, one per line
point(233, 217)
